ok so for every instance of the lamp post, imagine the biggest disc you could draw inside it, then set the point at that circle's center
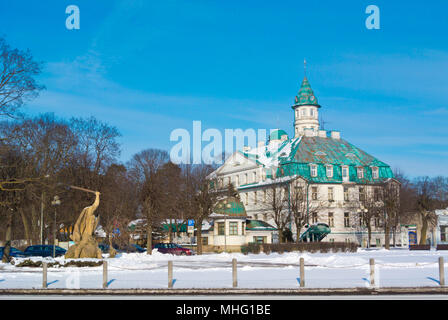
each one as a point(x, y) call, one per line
point(55, 203)
point(362, 210)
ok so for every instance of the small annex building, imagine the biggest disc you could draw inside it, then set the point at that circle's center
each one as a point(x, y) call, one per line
point(229, 227)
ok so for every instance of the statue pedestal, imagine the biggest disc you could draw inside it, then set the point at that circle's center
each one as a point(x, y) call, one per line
point(85, 249)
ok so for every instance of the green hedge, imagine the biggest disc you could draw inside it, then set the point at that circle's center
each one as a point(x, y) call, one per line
point(322, 247)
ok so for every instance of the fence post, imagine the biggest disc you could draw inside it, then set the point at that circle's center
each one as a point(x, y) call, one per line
point(302, 272)
point(372, 272)
point(441, 271)
point(104, 274)
point(170, 274)
point(44, 275)
point(234, 274)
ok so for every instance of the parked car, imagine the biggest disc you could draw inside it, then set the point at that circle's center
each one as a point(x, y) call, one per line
point(13, 252)
point(132, 248)
point(44, 250)
point(126, 248)
point(172, 248)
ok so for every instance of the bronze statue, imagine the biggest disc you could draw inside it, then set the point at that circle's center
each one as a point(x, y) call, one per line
point(85, 245)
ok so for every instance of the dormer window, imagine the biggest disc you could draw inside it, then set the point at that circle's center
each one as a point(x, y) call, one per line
point(360, 173)
point(345, 175)
point(313, 169)
point(329, 170)
point(375, 173)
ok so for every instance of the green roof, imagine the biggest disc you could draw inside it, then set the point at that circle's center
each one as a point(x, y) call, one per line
point(277, 134)
point(306, 95)
point(174, 227)
point(258, 225)
point(336, 152)
point(230, 206)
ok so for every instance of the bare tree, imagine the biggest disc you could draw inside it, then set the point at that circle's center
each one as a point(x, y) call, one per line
point(143, 169)
point(277, 206)
point(18, 70)
point(390, 200)
point(200, 197)
point(430, 194)
point(303, 204)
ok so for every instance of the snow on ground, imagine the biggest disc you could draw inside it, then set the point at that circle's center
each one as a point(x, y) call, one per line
point(394, 268)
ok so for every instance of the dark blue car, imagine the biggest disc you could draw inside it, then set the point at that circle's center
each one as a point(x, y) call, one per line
point(44, 251)
point(13, 252)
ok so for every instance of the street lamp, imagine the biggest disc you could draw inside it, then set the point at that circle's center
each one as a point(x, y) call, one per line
point(55, 203)
point(364, 210)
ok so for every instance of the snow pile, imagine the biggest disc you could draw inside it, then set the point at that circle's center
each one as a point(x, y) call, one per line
point(269, 155)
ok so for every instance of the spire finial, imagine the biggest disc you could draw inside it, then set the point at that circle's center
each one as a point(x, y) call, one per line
point(304, 66)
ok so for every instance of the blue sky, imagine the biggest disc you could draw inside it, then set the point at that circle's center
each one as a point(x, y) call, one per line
point(150, 67)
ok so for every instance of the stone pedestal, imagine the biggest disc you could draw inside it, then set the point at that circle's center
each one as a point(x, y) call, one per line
point(84, 249)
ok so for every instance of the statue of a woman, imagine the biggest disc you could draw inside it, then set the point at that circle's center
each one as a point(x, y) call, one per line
point(85, 245)
point(87, 222)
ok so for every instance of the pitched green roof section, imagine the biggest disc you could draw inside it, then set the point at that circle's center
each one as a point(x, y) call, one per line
point(230, 206)
point(306, 95)
point(337, 153)
point(259, 225)
point(277, 134)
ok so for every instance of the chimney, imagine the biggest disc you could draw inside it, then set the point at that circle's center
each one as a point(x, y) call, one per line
point(336, 134)
point(322, 133)
point(309, 132)
point(246, 148)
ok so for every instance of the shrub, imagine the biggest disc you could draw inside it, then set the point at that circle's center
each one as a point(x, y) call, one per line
point(323, 247)
point(71, 263)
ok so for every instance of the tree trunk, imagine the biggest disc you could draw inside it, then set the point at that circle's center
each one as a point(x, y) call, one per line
point(423, 230)
point(8, 237)
point(35, 225)
point(387, 237)
point(170, 231)
point(298, 229)
point(369, 235)
point(199, 237)
point(26, 226)
point(148, 237)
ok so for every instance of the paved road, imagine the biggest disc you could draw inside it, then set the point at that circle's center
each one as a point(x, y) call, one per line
point(227, 297)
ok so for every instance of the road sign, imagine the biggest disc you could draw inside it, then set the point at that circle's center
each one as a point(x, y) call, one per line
point(190, 228)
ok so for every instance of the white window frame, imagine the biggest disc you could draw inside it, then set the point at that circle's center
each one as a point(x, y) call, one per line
point(375, 173)
point(345, 177)
point(329, 167)
point(313, 170)
point(331, 193)
point(360, 172)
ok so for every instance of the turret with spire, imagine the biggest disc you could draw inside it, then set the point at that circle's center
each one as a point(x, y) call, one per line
point(306, 114)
